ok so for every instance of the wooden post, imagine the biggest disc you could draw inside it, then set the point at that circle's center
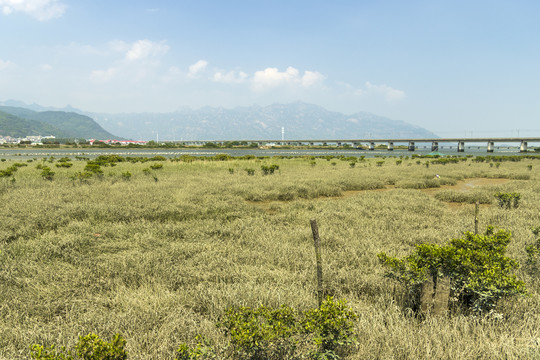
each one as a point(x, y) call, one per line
point(426, 296)
point(476, 211)
point(317, 241)
point(442, 295)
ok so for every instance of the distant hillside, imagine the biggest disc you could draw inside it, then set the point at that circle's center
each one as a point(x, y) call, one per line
point(22, 122)
point(300, 120)
point(11, 125)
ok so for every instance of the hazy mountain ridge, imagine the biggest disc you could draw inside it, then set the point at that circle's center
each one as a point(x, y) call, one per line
point(20, 122)
point(301, 121)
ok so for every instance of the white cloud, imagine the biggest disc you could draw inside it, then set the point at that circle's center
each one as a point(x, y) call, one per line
point(197, 68)
point(41, 10)
point(230, 77)
point(5, 64)
point(45, 67)
point(143, 49)
point(272, 77)
point(102, 76)
point(311, 78)
point(388, 92)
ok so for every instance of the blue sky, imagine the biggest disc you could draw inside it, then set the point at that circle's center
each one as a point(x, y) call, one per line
point(453, 67)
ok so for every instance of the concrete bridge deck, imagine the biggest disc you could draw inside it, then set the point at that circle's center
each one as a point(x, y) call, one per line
point(372, 143)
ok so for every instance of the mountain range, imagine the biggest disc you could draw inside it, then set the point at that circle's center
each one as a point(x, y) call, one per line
point(21, 122)
point(300, 121)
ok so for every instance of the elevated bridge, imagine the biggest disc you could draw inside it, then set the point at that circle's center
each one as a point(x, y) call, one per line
point(371, 144)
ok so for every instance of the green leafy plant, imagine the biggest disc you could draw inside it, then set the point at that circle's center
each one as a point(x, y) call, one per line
point(93, 167)
point(250, 172)
point(126, 176)
point(202, 350)
point(50, 353)
point(260, 333)
point(332, 325)
point(480, 273)
point(156, 166)
point(269, 170)
point(508, 200)
point(46, 173)
point(89, 347)
point(266, 333)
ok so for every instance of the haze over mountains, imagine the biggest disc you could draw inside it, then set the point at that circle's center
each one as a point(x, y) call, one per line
point(300, 120)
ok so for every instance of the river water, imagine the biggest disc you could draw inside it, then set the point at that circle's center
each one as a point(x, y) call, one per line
point(26, 153)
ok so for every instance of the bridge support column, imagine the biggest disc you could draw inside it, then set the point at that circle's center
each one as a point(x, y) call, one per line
point(390, 146)
point(371, 146)
point(490, 146)
point(461, 146)
point(523, 146)
point(411, 146)
point(434, 146)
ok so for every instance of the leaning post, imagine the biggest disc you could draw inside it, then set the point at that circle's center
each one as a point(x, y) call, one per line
point(476, 211)
point(317, 242)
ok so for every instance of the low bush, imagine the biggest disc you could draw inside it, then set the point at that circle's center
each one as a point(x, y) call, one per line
point(508, 200)
point(479, 271)
point(89, 347)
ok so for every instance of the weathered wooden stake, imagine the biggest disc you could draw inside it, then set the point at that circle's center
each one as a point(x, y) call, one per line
point(476, 211)
point(317, 241)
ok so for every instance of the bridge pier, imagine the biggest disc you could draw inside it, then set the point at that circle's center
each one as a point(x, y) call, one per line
point(371, 146)
point(523, 146)
point(390, 146)
point(461, 146)
point(434, 146)
point(490, 146)
point(411, 146)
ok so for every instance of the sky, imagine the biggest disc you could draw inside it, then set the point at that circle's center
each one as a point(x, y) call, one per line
point(453, 67)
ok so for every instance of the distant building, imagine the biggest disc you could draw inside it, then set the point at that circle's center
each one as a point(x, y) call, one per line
point(121, 142)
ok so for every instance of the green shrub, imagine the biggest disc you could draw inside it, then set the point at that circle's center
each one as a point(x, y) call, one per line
point(156, 166)
point(93, 167)
point(508, 200)
point(478, 269)
point(46, 173)
point(269, 170)
point(202, 351)
point(82, 176)
point(282, 333)
point(63, 164)
point(126, 176)
point(89, 347)
point(332, 325)
point(261, 333)
point(250, 172)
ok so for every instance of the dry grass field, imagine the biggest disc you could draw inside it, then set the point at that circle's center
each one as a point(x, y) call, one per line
point(158, 255)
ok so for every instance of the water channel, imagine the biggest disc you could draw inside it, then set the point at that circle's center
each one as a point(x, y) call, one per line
point(29, 153)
